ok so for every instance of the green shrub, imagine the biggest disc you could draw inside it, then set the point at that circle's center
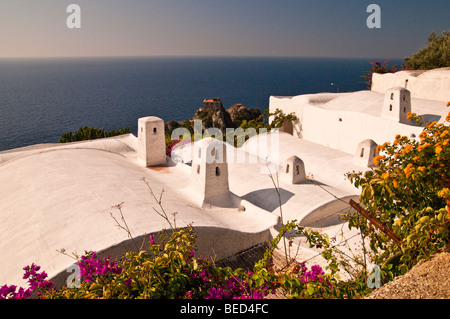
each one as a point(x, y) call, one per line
point(436, 54)
point(91, 133)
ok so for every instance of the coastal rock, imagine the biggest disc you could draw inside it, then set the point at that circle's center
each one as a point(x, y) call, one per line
point(172, 125)
point(213, 114)
point(239, 112)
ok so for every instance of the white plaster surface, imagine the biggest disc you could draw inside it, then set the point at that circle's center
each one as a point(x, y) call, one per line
point(62, 197)
point(57, 196)
point(431, 85)
point(343, 120)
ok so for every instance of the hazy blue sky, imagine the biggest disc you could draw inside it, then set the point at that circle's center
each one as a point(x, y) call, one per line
point(320, 28)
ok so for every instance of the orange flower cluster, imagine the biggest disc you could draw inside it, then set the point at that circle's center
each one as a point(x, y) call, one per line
point(417, 163)
point(376, 159)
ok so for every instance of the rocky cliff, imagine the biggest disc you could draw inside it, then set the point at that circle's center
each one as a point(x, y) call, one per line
point(217, 116)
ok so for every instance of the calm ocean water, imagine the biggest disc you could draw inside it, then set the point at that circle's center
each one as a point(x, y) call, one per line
point(42, 98)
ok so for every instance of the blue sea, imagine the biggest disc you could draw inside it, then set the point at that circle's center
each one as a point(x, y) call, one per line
point(40, 99)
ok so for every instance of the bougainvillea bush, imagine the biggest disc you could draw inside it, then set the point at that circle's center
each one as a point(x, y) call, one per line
point(167, 270)
point(377, 67)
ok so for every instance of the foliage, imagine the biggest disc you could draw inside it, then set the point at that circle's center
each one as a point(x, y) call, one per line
point(278, 119)
point(436, 54)
point(170, 270)
point(166, 270)
point(407, 191)
point(377, 67)
point(90, 133)
point(247, 114)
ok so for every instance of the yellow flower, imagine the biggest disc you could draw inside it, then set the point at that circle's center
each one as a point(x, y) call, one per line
point(432, 124)
point(407, 173)
point(444, 133)
point(416, 158)
point(382, 147)
point(407, 148)
point(422, 168)
point(376, 159)
point(385, 175)
point(423, 135)
point(395, 183)
point(445, 143)
point(422, 147)
point(410, 115)
point(444, 193)
point(448, 104)
point(408, 169)
point(438, 149)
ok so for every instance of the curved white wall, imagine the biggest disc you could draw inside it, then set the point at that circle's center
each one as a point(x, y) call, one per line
point(430, 85)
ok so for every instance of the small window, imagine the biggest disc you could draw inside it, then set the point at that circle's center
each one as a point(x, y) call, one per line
point(199, 152)
point(154, 130)
point(198, 169)
point(217, 171)
point(404, 97)
point(142, 129)
point(406, 83)
point(390, 107)
point(404, 109)
point(297, 169)
point(392, 96)
point(287, 168)
point(362, 153)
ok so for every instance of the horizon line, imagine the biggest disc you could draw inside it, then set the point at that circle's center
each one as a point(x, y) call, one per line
point(196, 56)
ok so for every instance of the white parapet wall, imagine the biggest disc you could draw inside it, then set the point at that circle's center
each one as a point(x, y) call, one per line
point(343, 120)
point(430, 85)
point(295, 104)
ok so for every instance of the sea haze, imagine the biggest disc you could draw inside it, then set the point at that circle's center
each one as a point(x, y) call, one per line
point(40, 99)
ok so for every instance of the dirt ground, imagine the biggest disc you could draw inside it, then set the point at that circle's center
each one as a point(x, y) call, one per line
point(429, 279)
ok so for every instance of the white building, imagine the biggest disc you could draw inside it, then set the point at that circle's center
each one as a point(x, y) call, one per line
point(57, 196)
point(343, 120)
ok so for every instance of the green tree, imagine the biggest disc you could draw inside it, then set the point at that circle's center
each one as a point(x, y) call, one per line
point(436, 54)
point(262, 121)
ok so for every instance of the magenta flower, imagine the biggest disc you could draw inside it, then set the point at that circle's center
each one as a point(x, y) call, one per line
point(152, 239)
point(218, 293)
point(127, 282)
point(91, 267)
point(9, 292)
point(35, 279)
